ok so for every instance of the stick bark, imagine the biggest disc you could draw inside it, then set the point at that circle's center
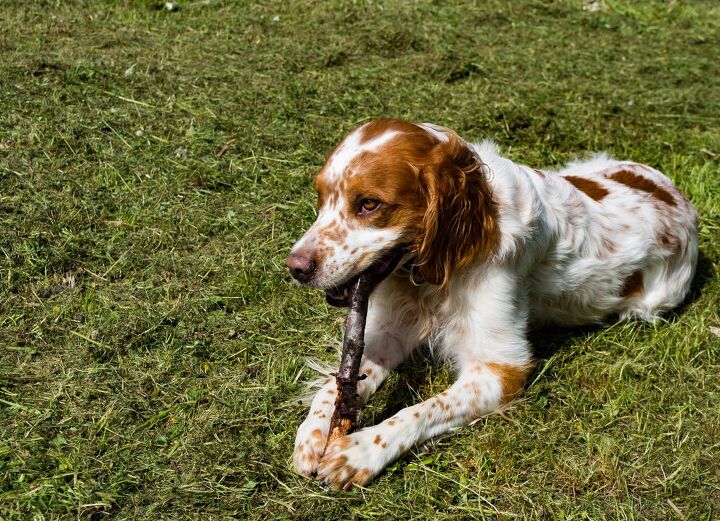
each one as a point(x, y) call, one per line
point(347, 403)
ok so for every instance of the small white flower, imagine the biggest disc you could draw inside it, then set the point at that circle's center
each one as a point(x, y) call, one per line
point(129, 71)
point(276, 19)
point(181, 152)
point(139, 133)
point(631, 103)
point(169, 6)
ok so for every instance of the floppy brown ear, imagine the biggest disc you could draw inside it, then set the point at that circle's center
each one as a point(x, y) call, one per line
point(460, 222)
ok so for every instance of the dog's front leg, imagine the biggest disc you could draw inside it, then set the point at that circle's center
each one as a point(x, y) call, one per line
point(360, 456)
point(489, 347)
point(388, 342)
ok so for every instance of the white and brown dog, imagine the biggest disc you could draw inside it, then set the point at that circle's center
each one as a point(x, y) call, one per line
point(496, 247)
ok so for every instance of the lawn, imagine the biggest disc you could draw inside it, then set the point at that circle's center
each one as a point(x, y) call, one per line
point(155, 168)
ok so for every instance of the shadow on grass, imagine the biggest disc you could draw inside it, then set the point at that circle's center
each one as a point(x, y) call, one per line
point(548, 341)
point(402, 392)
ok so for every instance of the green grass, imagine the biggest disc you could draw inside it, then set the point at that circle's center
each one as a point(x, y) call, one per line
point(155, 168)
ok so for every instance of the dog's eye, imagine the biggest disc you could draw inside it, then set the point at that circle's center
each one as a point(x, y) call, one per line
point(368, 206)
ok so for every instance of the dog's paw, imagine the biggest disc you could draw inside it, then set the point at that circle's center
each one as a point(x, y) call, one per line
point(354, 459)
point(309, 445)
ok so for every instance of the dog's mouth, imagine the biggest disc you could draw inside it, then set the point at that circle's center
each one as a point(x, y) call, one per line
point(339, 296)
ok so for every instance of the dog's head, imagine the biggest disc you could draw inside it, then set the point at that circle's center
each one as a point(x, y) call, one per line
point(391, 184)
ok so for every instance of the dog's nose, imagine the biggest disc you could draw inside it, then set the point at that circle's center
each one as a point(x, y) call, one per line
point(301, 266)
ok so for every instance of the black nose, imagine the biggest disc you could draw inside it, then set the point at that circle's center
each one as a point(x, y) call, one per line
point(301, 266)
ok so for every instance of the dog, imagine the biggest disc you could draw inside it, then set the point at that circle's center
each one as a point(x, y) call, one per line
point(490, 249)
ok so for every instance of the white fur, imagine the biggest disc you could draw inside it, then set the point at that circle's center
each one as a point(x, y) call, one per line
point(438, 132)
point(351, 147)
point(562, 258)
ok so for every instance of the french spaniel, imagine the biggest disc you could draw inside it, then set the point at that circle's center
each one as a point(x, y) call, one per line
point(495, 247)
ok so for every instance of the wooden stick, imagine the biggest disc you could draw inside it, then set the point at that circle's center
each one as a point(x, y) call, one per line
point(347, 403)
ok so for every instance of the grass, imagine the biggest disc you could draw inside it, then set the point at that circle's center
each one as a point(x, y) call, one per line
point(155, 168)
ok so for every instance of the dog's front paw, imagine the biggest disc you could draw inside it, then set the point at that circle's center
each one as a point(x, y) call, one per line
point(355, 459)
point(309, 445)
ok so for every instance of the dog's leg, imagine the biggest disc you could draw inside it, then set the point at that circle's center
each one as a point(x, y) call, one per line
point(388, 342)
point(360, 456)
point(493, 357)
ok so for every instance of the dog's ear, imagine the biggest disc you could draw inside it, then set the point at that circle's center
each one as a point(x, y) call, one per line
point(460, 222)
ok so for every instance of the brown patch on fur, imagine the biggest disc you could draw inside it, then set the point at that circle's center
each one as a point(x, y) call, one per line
point(327, 194)
point(391, 422)
point(377, 440)
point(342, 442)
point(361, 477)
point(337, 484)
point(379, 127)
point(384, 445)
point(589, 187)
point(416, 414)
point(332, 465)
point(643, 184)
point(368, 371)
point(633, 285)
point(609, 246)
point(340, 460)
point(335, 233)
point(317, 434)
point(669, 241)
point(512, 378)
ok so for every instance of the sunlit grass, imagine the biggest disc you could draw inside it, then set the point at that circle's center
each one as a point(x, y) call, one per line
point(155, 168)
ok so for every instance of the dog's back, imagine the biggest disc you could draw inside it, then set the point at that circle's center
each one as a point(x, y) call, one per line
point(621, 239)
